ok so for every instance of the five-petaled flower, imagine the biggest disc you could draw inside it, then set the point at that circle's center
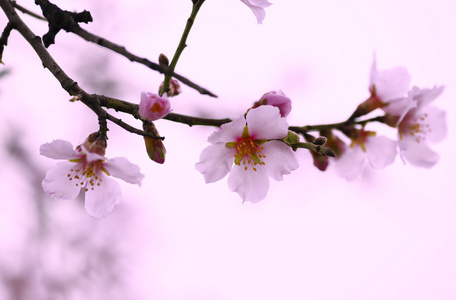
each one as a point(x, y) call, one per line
point(251, 150)
point(86, 168)
point(257, 7)
point(154, 107)
point(420, 124)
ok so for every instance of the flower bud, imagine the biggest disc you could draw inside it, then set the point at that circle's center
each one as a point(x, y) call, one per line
point(153, 107)
point(154, 147)
point(163, 60)
point(320, 141)
point(96, 143)
point(277, 99)
point(174, 88)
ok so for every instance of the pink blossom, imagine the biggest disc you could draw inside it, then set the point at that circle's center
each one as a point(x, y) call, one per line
point(257, 7)
point(250, 150)
point(377, 151)
point(154, 107)
point(389, 86)
point(420, 124)
point(277, 99)
point(89, 171)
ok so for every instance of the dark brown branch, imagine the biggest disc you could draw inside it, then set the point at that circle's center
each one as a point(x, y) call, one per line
point(66, 82)
point(4, 38)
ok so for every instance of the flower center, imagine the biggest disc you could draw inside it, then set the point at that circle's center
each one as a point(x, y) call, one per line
point(248, 154)
point(418, 128)
point(156, 107)
point(85, 175)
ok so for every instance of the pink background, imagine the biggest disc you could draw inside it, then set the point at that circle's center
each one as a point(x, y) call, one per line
point(389, 235)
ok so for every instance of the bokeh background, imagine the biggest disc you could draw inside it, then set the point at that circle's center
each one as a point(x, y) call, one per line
point(388, 235)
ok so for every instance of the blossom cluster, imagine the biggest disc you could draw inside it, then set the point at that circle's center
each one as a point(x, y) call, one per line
point(409, 110)
point(259, 143)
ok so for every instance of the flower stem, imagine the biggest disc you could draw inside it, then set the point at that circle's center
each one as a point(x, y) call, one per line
point(180, 48)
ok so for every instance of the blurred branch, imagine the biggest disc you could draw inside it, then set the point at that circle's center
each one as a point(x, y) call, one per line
point(76, 29)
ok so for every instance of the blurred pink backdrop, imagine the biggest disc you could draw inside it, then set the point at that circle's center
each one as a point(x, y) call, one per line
point(389, 235)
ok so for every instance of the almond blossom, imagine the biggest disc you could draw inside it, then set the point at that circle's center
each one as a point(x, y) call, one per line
point(277, 99)
point(420, 124)
point(154, 107)
point(377, 151)
point(257, 7)
point(86, 168)
point(249, 148)
point(388, 89)
point(389, 85)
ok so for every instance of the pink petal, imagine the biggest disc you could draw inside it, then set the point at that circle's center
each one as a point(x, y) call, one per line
point(257, 7)
point(100, 200)
point(425, 96)
point(154, 107)
point(230, 132)
point(265, 122)
point(121, 168)
point(280, 159)
point(350, 164)
point(57, 184)
point(417, 153)
point(436, 118)
point(59, 149)
point(400, 107)
point(215, 162)
point(380, 151)
point(249, 184)
point(390, 84)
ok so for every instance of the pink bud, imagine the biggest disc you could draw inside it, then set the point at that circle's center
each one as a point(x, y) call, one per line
point(174, 88)
point(153, 107)
point(277, 99)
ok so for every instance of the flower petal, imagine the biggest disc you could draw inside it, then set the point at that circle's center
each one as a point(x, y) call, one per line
point(229, 132)
point(389, 84)
point(249, 184)
point(59, 149)
point(279, 159)
point(380, 151)
point(257, 7)
point(121, 168)
point(265, 122)
point(215, 162)
point(350, 164)
point(418, 154)
point(400, 107)
point(436, 118)
point(425, 96)
point(57, 183)
point(100, 200)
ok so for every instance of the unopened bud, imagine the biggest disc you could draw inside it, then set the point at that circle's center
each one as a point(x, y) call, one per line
point(174, 88)
point(292, 137)
point(163, 60)
point(154, 147)
point(326, 151)
point(277, 99)
point(96, 143)
point(320, 141)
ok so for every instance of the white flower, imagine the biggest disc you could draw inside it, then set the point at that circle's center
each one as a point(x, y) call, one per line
point(257, 7)
point(249, 149)
point(420, 124)
point(378, 151)
point(89, 171)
